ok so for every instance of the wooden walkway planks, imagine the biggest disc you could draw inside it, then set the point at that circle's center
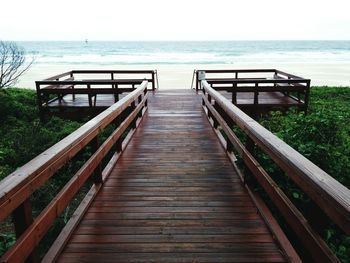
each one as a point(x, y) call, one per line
point(173, 197)
point(243, 99)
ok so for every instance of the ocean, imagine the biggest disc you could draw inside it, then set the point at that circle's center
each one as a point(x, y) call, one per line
point(186, 52)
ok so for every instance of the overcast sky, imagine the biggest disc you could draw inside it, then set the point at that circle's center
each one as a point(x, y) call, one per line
point(174, 20)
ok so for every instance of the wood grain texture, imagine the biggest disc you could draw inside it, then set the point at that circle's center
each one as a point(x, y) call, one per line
point(330, 195)
point(172, 197)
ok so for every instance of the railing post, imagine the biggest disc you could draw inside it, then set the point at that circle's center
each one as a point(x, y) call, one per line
point(132, 108)
point(307, 95)
point(248, 176)
point(73, 95)
point(139, 100)
point(153, 82)
point(89, 95)
point(117, 121)
point(39, 101)
point(215, 122)
point(95, 143)
point(116, 94)
point(144, 94)
point(256, 94)
point(234, 93)
point(197, 81)
point(203, 102)
point(288, 85)
point(22, 218)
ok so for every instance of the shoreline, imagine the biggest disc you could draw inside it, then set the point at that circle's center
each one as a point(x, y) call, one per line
point(179, 76)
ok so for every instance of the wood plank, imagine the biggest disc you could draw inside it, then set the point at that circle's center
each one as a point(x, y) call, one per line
point(170, 257)
point(154, 238)
point(332, 197)
point(19, 185)
point(173, 196)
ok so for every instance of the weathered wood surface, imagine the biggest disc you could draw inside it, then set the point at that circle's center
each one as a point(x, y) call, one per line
point(328, 193)
point(258, 91)
point(325, 191)
point(173, 197)
point(243, 99)
point(17, 188)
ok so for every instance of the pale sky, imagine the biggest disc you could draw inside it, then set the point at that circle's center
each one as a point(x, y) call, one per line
point(175, 20)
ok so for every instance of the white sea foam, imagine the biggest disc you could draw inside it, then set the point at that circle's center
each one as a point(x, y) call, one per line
point(141, 53)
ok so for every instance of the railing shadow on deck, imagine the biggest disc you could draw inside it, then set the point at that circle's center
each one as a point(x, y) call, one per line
point(328, 194)
point(18, 187)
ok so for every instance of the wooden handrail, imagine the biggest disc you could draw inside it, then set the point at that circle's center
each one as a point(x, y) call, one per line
point(331, 196)
point(287, 74)
point(52, 91)
point(327, 192)
point(18, 186)
point(17, 183)
point(60, 76)
point(295, 88)
point(238, 70)
point(256, 80)
point(91, 82)
point(102, 71)
point(85, 91)
point(261, 88)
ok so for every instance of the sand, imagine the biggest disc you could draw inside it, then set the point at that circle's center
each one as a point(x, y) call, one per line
point(180, 75)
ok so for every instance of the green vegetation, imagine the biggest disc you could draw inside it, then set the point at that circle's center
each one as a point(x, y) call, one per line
point(22, 137)
point(323, 136)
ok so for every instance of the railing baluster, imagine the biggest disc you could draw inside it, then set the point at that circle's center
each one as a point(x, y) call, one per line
point(331, 197)
point(73, 94)
point(153, 82)
point(256, 94)
point(234, 93)
point(89, 95)
point(22, 218)
point(132, 108)
point(95, 143)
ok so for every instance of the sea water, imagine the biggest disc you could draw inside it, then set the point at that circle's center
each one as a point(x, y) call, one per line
point(184, 52)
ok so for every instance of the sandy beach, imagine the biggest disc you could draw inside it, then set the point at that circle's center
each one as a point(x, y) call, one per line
point(179, 76)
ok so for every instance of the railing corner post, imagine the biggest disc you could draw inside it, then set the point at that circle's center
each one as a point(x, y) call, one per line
point(153, 82)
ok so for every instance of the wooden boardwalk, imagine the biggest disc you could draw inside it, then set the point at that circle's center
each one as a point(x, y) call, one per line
point(243, 99)
point(174, 196)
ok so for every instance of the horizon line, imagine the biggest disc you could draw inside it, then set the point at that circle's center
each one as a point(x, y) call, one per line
point(184, 40)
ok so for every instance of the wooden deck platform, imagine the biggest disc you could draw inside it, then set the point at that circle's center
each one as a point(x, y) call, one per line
point(243, 99)
point(174, 196)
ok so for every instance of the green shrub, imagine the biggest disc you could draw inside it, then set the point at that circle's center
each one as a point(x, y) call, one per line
point(323, 136)
point(22, 135)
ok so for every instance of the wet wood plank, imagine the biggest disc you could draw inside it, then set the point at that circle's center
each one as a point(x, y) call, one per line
point(173, 197)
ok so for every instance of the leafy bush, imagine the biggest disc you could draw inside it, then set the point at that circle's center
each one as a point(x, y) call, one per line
point(22, 135)
point(323, 136)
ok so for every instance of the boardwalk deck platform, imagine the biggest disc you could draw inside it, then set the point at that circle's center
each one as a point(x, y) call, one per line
point(104, 101)
point(173, 197)
point(79, 93)
point(173, 180)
